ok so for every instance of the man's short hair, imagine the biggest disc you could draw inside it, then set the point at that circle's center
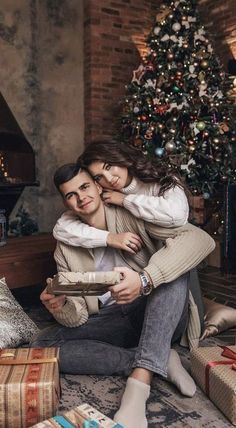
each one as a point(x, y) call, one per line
point(65, 173)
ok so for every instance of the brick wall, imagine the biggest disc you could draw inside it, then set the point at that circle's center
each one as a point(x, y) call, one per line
point(114, 40)
point(219, 18)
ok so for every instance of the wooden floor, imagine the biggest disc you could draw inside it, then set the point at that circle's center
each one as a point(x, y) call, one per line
point(219, 287)
point(222, 289)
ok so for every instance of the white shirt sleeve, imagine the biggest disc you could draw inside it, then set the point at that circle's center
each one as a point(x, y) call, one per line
point(70, 230)
point(169, 210)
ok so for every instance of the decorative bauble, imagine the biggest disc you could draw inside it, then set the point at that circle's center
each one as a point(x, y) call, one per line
point(192, 148)
point(136, 110)
point(206, 195)
point(175, 89)
point(191, 142)
point(204, 63)
point(176, 26)
point(170, 56)
point(159, 151)
point(200, 125)
point(144, 118)
point(178, 75)
point(138, 142)
point(170, 147)
point(205, 134)
point(156, 30)
point(216, 140)
point(185, 45)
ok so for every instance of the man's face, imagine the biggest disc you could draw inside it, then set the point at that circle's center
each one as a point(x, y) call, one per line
point(81, 194)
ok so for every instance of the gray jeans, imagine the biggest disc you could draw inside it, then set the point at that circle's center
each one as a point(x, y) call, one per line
point(122, 337)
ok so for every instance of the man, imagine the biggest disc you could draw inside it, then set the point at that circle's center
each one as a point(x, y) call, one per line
point(133, 330)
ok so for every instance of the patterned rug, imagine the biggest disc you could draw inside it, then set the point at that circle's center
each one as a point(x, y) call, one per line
point(166, 406)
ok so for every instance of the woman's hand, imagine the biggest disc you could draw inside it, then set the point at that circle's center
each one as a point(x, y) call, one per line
point(50, 301)
point(128, 289)
point(126, 241)
point(113, 197)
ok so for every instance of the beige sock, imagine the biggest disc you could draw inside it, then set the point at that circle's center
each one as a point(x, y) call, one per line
point(132, 411)
point(177, 375)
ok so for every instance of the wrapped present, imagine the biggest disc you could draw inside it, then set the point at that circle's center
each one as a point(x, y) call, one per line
point(84, 284)
point(29, 386)
point(214, 369)
point(214, 258)
point(83, 416)
point(197, 210)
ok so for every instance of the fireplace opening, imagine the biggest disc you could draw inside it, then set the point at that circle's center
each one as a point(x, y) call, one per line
point(17, 160)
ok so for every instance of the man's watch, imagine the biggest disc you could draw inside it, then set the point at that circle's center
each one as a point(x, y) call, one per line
point(146, 285)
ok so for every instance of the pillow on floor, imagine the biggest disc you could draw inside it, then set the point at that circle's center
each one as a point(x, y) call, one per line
point(16, 327)
point(217, 318)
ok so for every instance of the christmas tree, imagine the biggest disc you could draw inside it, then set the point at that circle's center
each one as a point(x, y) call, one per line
point(177, 108)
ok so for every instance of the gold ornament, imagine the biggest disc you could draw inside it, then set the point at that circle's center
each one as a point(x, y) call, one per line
point(204, 63)
point(170, 147)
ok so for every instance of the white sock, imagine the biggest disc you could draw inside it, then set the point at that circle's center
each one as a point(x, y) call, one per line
point(177, 375)
point(132, 411)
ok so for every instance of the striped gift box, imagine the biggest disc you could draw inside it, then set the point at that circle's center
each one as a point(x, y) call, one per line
point(214, 369)
point(29, 386)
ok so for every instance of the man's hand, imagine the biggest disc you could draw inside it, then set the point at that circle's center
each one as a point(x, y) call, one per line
point(53, 303)
point(126, 241)
point(128, 289)
point(113, 197)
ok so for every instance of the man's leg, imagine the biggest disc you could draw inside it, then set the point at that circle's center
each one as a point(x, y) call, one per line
point(164, 319)
point(98, 346)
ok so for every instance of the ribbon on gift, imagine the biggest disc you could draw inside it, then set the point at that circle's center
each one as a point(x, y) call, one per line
point(228, 353)
point(4, 360)
point(62, 422)
point(91, 424)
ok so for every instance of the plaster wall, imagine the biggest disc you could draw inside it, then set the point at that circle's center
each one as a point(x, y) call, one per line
point(41, 75)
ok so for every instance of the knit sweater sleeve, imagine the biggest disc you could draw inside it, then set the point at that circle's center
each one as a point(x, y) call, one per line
point(75, 312)
point(169, 210)
point(70, 230)
point(184, 248)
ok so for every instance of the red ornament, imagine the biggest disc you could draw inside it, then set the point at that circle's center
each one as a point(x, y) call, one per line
point(149, 66)
point(138, 142)
point(178, 75)
point(161, 109)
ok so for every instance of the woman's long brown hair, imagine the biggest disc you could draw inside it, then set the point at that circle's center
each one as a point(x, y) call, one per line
point(137, 163)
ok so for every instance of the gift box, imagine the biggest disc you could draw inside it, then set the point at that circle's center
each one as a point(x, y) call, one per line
point(29, 386)
point(83, 283)
point(197, 210)
point(83, 416)
point(214, 370)
point(214, 258)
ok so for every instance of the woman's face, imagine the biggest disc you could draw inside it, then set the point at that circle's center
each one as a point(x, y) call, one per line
point(109, 176)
